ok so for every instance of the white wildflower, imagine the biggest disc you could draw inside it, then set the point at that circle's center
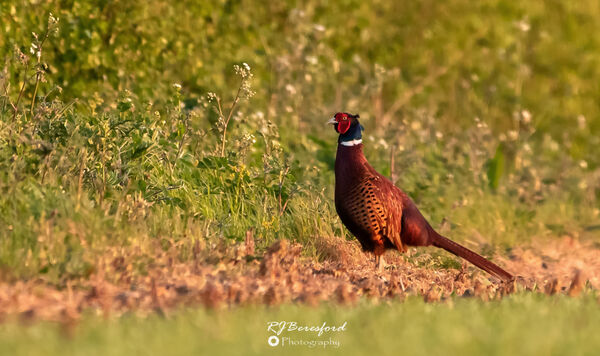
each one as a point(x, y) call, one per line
point(312, 60)
point(244, 72)
point(523, 26)
point(290, 89)
point(415, 125)
point(526, 115)
point(52, 20)
point(177, 86)
point(583, 164)
point(581, 121)
point(513, 135)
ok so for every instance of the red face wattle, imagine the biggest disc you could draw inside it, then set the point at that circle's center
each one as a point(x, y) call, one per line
point(343, 122)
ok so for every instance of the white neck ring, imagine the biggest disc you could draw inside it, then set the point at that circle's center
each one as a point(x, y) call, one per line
point(351, 143)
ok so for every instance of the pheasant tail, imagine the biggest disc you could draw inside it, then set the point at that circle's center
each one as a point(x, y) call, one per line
point(461, 251)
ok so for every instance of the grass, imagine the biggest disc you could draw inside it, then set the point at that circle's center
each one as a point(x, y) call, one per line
point(123, 125)
point(524, 324)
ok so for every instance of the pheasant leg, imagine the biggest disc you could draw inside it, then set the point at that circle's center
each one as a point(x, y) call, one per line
point(379, 263)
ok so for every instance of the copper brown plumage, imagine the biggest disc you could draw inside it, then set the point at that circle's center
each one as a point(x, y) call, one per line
point(379, 214)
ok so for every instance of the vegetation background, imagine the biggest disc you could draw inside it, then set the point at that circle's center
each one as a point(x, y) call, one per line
point(139, 124)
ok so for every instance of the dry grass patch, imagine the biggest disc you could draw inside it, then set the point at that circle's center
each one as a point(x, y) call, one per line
point(223, 276)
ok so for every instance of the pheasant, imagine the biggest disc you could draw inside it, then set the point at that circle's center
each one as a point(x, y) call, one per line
point(379, 214)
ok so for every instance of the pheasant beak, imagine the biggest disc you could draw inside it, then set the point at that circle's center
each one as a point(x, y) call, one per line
point(332, 121)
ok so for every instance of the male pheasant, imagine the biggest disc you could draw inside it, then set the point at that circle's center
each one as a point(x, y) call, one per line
point(378, 213)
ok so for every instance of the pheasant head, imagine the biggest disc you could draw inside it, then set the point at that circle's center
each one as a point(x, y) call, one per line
point(348, 127)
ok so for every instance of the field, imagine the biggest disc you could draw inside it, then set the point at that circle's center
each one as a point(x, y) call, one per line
point(523, 324)
point(166, 174)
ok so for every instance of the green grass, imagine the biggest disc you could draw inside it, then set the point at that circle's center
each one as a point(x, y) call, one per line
point(126, 130)
point(523, 324)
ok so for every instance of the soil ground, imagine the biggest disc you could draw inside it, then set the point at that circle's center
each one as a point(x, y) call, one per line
point(224, 276)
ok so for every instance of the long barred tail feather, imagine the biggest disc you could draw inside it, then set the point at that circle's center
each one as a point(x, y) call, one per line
point(476, 259)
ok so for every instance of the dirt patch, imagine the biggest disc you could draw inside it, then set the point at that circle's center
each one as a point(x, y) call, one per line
point(224, 276)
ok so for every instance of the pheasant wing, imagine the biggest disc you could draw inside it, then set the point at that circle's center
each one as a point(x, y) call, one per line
point(375, 207)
